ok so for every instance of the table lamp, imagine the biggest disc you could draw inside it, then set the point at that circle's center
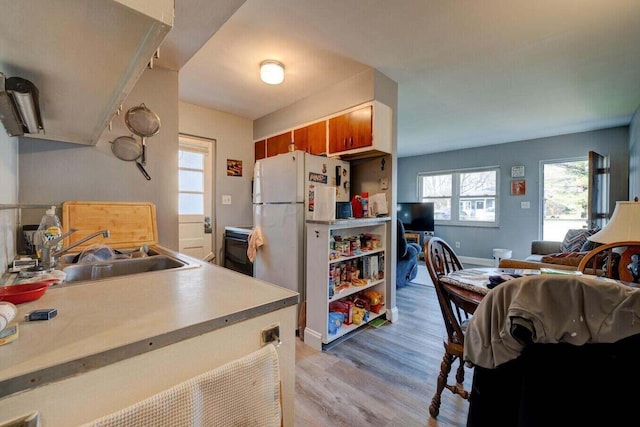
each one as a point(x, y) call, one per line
point(624, 225)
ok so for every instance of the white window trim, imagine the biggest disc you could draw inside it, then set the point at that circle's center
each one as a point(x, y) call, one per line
point(455, 196)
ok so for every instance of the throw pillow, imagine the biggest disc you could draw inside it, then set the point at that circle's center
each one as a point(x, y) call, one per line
point(572, 259)
point(575, 238)
point(588, 246)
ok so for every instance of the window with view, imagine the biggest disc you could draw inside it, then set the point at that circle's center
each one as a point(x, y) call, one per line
point(463, 197)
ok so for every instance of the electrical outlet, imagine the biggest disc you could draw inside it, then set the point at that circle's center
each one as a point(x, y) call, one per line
point(457, 245)
point(271, 334)
point(226, 199)
point(384, 183)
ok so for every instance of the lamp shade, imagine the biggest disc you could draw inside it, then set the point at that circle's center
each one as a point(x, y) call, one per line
point(624, 225)
point(272, 72)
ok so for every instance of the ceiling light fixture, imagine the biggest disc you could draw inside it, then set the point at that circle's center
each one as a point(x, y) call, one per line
point(272, 72)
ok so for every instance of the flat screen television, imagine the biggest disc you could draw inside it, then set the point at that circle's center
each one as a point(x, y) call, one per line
point(416, 216)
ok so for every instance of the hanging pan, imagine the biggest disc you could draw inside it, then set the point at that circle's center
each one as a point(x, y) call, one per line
point(127, 148)
point(144, 123)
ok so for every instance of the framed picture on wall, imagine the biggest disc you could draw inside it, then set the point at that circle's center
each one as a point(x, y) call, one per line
point(517, 172)
point(234, 167)
point(518, 187)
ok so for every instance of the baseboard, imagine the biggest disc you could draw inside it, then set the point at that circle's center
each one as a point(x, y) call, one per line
point(489, 262)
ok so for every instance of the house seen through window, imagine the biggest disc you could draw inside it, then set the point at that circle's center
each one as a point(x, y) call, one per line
point(462, 197)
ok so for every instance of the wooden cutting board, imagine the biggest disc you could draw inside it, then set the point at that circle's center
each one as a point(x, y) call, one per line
point(131, 223)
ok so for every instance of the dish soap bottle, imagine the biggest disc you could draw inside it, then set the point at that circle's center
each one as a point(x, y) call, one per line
point(49, 229)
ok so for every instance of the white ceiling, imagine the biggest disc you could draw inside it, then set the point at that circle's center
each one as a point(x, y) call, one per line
point(469, 73)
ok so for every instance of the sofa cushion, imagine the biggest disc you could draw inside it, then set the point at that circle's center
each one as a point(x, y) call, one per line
point(575, 238)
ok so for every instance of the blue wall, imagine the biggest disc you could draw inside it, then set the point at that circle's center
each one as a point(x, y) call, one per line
point(517, 227)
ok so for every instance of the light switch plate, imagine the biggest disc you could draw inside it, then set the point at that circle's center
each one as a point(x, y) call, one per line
point(525, 205)
point(226, 199)
point(384, 183)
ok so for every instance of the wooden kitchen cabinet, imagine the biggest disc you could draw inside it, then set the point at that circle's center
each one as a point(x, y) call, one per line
point(260, 149)
point(312, 138)
point(279, 144)
point(361, 131)
point(351, 130)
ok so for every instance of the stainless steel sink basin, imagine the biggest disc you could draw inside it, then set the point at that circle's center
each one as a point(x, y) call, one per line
point(123, 267)
point(71, 258)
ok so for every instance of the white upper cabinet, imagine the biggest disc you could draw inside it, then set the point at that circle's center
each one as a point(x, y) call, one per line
point(84, 57)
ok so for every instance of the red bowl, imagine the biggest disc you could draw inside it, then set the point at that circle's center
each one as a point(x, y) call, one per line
point(17, 294)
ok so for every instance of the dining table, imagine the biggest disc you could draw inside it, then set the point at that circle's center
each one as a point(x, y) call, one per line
point(473, 284)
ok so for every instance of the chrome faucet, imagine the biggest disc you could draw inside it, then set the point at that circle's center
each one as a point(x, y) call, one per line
point(49, 255)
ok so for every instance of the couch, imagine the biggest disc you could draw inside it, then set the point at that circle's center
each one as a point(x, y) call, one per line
point(562, 255)
point(407, 262)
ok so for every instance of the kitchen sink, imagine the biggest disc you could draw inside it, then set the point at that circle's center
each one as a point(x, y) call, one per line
point(121, 267)
point(72, 258)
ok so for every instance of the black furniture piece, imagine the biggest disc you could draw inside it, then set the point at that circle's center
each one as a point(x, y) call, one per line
point(407, 262)
point(560, 385)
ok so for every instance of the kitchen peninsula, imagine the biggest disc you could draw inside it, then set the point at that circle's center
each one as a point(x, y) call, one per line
point(118, 341)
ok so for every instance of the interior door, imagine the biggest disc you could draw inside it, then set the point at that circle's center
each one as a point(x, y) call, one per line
point(195, 170)
point(599, 175)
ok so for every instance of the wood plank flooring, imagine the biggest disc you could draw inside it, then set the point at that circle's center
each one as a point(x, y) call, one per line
point(381, 377)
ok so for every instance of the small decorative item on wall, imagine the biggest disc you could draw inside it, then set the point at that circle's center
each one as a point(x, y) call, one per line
point(234, 167)
point(518, 187)
point(517, 171)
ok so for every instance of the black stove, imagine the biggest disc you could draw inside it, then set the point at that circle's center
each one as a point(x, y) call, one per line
point(236, 242)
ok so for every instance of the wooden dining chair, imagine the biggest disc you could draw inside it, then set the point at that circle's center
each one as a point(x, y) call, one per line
point(442, 260)
point(620, 261)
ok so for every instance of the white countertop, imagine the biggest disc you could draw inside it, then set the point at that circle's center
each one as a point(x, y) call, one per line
point(101, 322)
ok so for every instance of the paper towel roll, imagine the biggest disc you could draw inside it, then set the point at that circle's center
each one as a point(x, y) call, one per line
point(325, 203)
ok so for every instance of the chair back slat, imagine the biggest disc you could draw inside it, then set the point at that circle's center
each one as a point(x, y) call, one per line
point(619, 260)
point(442, 260)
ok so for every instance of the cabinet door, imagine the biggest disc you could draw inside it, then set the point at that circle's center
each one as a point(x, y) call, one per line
point(278, 144)
point(351, 130)
point(312, 138)
point(260, 149)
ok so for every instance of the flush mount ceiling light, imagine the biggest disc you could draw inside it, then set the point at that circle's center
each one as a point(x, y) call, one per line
point(272, 72)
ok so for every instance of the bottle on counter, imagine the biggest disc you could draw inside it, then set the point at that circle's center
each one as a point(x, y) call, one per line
point(48, 229)
point(365, 205)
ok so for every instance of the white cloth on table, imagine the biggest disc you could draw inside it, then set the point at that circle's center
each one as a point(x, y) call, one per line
point(570, 309)
point(243, 392)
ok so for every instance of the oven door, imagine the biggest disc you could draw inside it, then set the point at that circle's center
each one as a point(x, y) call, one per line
point(235, 252)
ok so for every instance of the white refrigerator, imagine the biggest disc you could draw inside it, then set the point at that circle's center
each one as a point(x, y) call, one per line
point(284, 196)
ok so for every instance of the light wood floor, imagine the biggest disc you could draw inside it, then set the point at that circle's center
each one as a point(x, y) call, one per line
point(381, 377)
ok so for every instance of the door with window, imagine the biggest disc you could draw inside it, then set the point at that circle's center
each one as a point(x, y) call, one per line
point(575, 195)
point(195, 178)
